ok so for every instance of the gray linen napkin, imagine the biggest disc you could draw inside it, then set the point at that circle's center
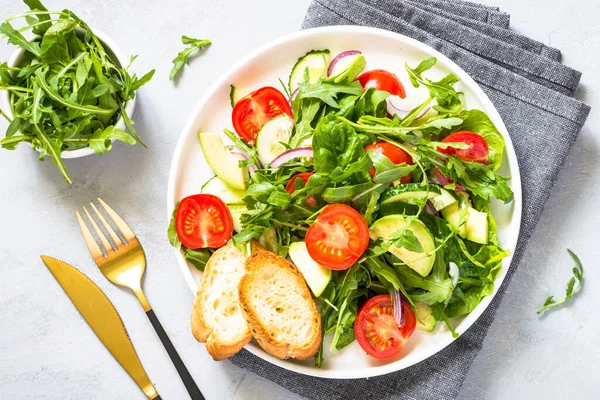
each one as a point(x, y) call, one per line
point(471, 11)
point(543, 121)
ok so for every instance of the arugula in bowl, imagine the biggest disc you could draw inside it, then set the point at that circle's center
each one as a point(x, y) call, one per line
point(66, 90)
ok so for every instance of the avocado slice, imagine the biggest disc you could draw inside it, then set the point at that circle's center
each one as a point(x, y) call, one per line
point(225, 164)
point(419, 262)
point(427, 322)
point(316, 276)
point(474, 229)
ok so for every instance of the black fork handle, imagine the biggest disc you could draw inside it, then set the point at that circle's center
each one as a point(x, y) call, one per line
point(184, 374)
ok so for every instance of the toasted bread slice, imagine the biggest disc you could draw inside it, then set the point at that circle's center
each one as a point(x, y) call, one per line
point(279, 308)
point(216, 318)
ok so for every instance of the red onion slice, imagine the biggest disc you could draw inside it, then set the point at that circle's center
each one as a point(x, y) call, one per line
point(242, 155)
point(396, 105)
point(430, 209)
point(300, 152)
point(444, 180)
point(341, 62)
point(294, 94)
point(397, 305)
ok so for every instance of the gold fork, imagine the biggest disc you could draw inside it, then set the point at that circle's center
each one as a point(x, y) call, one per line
point(124, 265)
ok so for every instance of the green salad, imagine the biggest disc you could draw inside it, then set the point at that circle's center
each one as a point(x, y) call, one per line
point(382, 201)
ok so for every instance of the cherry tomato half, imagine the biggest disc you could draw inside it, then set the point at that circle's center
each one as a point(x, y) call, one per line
point(394, 153)
point(254, 110)
point(291, 188)
point(203, 220)
point(377, 331)
point(478, 148)
point(382, 80)
point(338, 237)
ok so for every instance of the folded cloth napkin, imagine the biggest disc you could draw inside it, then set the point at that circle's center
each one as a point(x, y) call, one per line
point(532, 92)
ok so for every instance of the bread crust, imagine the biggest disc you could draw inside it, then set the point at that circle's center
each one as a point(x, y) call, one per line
point(218, 348)
point(271, 345)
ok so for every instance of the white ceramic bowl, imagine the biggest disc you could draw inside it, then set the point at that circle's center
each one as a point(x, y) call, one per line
point(118, 56)
point(382, 49)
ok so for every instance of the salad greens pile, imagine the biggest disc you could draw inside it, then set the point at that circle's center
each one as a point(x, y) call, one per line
point(342, 118)
point(68, 91)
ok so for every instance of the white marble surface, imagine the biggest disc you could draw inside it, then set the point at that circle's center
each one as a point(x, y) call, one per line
point(48, 352)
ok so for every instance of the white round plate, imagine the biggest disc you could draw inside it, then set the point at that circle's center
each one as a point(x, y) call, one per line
point(382, 49)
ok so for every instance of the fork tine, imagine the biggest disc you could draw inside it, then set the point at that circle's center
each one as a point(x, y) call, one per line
point(101, 235)
point(116, 239)
point(128, 233)
point(89, 238)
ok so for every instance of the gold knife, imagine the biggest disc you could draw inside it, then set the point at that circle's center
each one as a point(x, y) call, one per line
point(103, 318)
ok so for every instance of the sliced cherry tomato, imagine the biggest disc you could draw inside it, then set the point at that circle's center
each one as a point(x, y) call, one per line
point(254, 110)
point(291, 187)
point(203, 220)
point(377, 331)
point(394, 153)
point(382, 80)
point(338, 237)
point(478, 148)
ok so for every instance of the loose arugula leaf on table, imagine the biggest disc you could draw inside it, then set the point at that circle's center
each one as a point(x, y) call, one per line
point(67, 93)
point(184, 55)
point(573, 285)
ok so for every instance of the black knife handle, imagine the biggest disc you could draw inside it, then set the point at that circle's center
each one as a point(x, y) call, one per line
point(157, 398)
point(184, 374)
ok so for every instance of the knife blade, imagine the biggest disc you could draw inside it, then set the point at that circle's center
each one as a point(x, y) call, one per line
point(103, 318)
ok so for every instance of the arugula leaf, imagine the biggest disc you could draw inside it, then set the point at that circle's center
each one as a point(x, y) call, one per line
point(101, 140)
point(42, 19)
point(409, 241)
point(479, 179)
point(183, 56)
point(15, 37)
point(573, 285)
point(442, 90)
point(328, 92)
point(172, 232)
point(198, 258)
point(354, 69)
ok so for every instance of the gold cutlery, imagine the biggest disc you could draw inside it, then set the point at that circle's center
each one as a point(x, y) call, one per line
point(123, 263)
point(103, 318)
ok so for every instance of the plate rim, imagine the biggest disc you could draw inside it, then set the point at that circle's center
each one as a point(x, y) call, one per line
point(487, 105)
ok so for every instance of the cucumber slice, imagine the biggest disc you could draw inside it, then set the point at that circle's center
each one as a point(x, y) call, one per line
point(271, 135)
point(443, 200)
point(409, 191)
point(316, 276)
point(236, 214)
point(316, 61)
point(397, 207)
point(225, 165)
point(474, 229)
point(419, 262)
point(216, 187)
point(427, 322)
